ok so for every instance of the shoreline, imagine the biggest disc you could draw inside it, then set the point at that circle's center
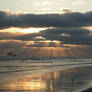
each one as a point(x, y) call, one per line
point(74, 79)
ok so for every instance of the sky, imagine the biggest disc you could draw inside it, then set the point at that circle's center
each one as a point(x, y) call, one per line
point(45, 6)
point(50, 22)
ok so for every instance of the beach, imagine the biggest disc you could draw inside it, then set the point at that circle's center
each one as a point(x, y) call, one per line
point(65, 75)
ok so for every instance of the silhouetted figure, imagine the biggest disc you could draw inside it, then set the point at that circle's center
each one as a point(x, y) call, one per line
point(72, 81)
point(11, 54)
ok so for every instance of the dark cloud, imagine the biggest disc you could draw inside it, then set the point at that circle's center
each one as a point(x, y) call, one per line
point(66, 27)
point(65, 35)
point(9, 35)
point(27, 37)
point(69, 36)
point(72, 19)
point(18, 36)
point(71, 31)
point(7, 44)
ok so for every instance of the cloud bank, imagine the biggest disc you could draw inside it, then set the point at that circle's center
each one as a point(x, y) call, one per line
point(68, 20)
point(65, 35)
point(66, 28)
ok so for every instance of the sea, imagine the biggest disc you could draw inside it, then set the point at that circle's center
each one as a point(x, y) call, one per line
point(46, 75)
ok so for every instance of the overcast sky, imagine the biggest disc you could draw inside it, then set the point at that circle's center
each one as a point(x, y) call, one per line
point(64, 21)
point(45, 6)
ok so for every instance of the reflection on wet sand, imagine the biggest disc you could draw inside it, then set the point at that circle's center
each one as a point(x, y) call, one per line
point(71, 80)
point(31, 84)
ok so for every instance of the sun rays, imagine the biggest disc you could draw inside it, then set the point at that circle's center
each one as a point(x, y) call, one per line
point(44, 43)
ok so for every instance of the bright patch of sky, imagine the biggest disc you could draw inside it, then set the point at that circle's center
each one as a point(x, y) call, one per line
point(45, 6)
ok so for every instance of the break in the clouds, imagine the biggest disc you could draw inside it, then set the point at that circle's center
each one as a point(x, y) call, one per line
point(65, 35)
point(71, 19)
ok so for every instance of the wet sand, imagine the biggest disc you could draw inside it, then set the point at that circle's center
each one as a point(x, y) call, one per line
point(88, 90)
point(76, 79)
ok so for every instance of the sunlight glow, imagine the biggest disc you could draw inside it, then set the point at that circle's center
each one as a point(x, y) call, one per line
point(32, 30)
point(23, 30)
point(52, 41)
point(39, 38)
point(37, 85)
point(29, 42)
point(66, 35)
point(89, 28)
point(43, 43)
point(28, 85)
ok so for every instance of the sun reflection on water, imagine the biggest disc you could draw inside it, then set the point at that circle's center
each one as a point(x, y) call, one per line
point(57, 81)
point(37, 85)
point(33, 83)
